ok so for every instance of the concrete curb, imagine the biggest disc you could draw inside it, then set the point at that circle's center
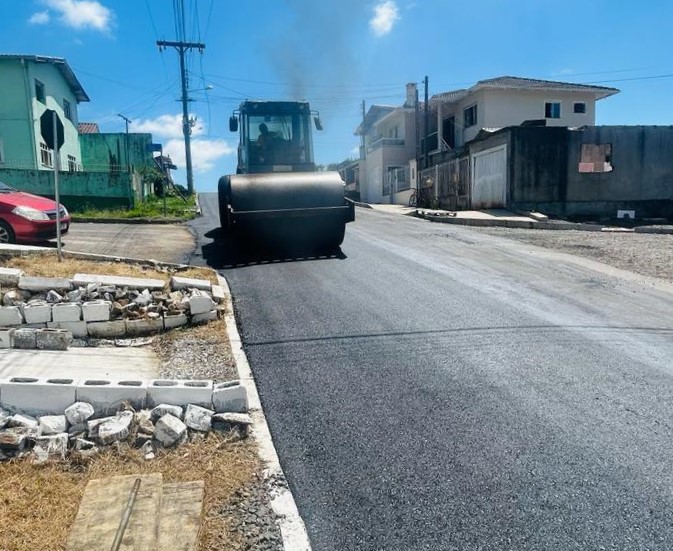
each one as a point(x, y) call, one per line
point(292, 528)
point(363, 205)
point(198, 204)
point(537, 224)
point(87, 220)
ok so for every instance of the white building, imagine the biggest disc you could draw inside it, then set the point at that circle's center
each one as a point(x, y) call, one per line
point(388, 170)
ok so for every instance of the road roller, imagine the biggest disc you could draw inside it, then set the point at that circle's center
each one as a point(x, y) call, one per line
point(277, 195)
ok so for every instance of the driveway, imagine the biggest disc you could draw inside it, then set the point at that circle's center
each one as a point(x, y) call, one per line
point(435, 388)
point(164, 242)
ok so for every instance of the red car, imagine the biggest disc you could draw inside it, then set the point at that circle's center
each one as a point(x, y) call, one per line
point(28, 218)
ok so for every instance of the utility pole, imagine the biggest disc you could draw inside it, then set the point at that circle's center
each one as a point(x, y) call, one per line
point(425, 126)
point(126, 141)
point(418, 157)
point(182, 48)
point(362, 134)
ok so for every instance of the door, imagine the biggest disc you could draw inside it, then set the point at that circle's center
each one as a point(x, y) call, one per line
point(489, 179)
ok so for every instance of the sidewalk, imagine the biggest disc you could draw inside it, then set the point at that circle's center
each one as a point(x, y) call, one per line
point(507, 219)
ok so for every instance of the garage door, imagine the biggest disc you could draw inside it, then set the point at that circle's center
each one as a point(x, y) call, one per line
point(489, 178)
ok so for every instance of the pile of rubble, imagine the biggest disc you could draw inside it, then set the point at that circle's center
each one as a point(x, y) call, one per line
point(48, 313)
point(40, 439)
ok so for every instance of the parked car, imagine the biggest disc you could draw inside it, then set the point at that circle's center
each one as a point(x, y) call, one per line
point(27, 218)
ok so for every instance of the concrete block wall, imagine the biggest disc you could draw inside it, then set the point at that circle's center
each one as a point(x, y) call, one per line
point(37, 396)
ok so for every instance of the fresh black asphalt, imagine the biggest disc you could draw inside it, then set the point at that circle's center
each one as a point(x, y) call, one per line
point(434, 388)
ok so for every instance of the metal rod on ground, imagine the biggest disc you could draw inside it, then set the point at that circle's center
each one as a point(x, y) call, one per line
point(126, 516)
point(57, 196)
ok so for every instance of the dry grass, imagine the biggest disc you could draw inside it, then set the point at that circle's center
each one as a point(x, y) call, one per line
point(214, 332)
point(38, 504)
point(46, 265)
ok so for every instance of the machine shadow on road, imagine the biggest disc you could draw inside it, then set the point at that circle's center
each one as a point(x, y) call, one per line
point(227, 253)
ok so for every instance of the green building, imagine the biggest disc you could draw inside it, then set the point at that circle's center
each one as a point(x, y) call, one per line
point(30, 85)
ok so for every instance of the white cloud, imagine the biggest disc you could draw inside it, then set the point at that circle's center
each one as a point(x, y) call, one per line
point(204, 152)
point(82, 14)
point(386, 14)
point(166, 126)
point(39, 18)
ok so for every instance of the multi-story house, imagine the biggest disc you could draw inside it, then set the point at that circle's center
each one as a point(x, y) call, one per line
point(394, 137)
point(30, 85)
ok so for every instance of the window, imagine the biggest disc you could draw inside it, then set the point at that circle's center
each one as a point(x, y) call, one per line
point(72, 164)
point(67, 110)
point(39, 92)
point(45, 155)
point(580, 107)
point(552, 110)
point(449, 131)
point(470, 116)
point(596, 157)
point(393, 133)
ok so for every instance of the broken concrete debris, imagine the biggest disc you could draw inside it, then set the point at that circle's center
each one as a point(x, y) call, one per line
point(46, 313)
point(54, 436)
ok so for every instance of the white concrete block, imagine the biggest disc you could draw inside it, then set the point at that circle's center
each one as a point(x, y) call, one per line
point(6, 338)
point(219, 295)
point(37, 313)
point(106, 396)
point(198, 418)
point(25, 338)
point(179, 392)
point(119, 281)
point(230, 397)
point(96, 310)
point(37, 396)
point(198, 319)
point(77, 328)
point(37, 284)
point(176, 320)
point(106, 329)
point(33, 326)
point(200, 304)
point(53, 339)
point(136, 328)
point(178, 283)
point(52, 424)
point(10, 315)
point(66, 311)
point(10, 276)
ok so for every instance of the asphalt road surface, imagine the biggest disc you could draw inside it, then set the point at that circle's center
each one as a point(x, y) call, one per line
point(435, 388)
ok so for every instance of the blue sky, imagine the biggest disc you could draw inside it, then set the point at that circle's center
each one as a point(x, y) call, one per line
point(335, 53)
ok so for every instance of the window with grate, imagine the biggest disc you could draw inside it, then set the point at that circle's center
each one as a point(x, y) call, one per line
point(72, 164)
point(580, 107)
point(45, 155)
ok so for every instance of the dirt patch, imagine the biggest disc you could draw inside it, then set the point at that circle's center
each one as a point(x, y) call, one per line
point(645, 254)
point(201, 352)
point(46, 265)
point(38, 503)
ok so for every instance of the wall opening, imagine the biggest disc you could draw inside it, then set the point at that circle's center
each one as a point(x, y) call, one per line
point(596, 157)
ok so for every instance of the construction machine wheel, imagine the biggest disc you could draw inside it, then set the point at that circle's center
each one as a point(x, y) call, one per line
point(223, 200)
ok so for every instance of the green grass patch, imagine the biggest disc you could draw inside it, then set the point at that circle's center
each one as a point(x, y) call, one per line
point(152, 207)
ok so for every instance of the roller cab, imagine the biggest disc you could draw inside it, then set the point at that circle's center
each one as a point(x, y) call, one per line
point(276, 192)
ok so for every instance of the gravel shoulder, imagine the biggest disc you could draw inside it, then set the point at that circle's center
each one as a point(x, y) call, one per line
point(645, 254)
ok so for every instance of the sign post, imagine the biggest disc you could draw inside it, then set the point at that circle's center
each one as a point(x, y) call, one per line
point(57, 162)
point(51, 129)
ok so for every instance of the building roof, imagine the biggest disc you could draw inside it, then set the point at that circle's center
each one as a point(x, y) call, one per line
point(62, 65)
point(88, 128)
point(374, 114)
point(520, 83)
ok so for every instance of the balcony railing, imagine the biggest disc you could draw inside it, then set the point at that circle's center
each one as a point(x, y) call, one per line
point(385, 142)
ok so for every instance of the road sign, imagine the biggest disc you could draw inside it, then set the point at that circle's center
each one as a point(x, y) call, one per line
point(153, 147)
point(47, 129)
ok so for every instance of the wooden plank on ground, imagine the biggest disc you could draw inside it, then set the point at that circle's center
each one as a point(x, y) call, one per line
point(101, 509)
point(180, 517)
